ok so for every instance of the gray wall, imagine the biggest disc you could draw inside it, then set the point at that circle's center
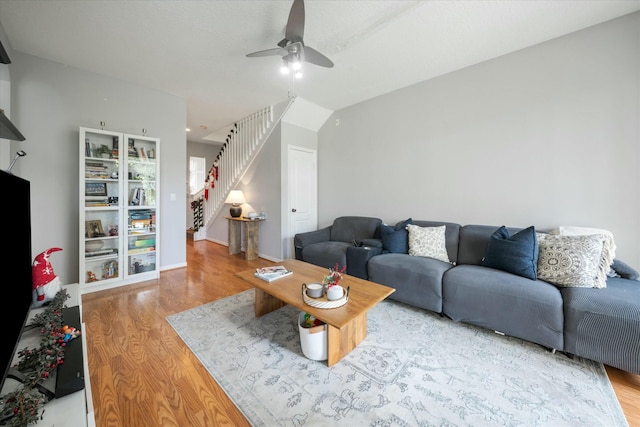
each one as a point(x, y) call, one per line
point(546, 136)
point(49, 103)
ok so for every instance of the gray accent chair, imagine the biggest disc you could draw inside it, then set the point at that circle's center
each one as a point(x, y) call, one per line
point(328, 246)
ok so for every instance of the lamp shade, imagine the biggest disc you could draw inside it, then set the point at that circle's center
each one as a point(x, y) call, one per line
point(235, 197)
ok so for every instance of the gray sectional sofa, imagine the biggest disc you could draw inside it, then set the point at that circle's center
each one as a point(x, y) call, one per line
point(602, 324)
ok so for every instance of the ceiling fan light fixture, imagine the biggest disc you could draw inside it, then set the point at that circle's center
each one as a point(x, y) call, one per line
point(298, 74)
point(284, 69)
point(292, 47)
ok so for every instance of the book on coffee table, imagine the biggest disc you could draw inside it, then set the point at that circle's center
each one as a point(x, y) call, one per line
point(269, 274)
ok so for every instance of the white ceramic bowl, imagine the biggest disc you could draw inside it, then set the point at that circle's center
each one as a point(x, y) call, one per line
point(314, 290)
point(93, 245)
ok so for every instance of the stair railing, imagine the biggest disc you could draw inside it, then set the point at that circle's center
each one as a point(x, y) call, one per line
point(244, 142)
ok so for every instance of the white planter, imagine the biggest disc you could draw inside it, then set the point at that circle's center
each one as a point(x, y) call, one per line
point(313, 340)
point(335, 292)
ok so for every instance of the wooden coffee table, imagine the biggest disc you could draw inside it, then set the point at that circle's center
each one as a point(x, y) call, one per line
point(346, 325)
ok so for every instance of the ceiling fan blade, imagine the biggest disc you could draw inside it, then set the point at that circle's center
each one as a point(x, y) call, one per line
point(295, 24)
point(268, 52)
point(313, 56)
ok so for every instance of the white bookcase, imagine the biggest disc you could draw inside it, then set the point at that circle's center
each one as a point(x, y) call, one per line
point(119, 209)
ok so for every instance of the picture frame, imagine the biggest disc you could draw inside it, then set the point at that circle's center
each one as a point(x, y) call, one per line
point(95, 189)
point(93, 228)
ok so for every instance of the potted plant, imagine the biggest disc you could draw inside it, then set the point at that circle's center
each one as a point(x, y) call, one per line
point(103, 151)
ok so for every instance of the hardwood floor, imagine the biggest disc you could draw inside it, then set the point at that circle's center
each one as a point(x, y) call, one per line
point(141, 372)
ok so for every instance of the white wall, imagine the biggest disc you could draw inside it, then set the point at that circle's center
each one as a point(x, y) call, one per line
point(549, 135)
point(50, 102)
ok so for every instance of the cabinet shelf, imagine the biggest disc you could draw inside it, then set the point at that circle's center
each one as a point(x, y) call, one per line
point(119, 208)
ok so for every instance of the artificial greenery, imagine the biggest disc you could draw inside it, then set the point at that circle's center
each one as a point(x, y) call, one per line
point(103, 149)
point(24, 406)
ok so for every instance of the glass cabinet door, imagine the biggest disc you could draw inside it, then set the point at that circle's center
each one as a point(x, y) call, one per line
point(100, 218)
point(142, 173)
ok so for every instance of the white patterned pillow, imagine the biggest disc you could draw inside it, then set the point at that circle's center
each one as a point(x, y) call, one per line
point(428, 242)
point(571, 261)
point(609, 252)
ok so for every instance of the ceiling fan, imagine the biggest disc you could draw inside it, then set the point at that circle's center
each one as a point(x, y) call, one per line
point(292, 48)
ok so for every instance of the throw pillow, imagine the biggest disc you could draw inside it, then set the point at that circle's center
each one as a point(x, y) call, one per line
point(609, 252)
point(395, 239)
point(428, 242)
point(571, 261)
point(517, 254)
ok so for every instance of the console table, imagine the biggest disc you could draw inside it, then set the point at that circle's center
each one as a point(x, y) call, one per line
point(250, 236)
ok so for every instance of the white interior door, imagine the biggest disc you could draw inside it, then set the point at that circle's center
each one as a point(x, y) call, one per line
point(303, 193)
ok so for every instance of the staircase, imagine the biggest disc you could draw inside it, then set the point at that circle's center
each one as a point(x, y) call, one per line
point(243, 144)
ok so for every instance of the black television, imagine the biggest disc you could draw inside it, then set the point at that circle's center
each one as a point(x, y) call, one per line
point(15, 194)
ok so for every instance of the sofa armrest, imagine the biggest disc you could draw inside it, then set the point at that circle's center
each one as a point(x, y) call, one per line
point(301, 240)
point(374, 243)
point(357, 259)
point(624, 270)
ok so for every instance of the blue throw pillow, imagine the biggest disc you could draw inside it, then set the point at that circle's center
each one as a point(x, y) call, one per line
point(517, 254)
point(395, 239)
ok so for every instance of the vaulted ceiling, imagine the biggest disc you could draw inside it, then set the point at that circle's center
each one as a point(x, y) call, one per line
point(197, 49)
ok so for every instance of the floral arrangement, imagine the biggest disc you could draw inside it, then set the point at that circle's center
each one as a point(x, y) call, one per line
point(334, 276)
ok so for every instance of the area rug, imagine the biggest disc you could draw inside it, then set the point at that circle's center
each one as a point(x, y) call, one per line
point(414, 368)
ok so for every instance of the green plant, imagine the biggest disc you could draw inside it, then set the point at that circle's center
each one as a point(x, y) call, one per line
point(103, 149)
point(24, 405)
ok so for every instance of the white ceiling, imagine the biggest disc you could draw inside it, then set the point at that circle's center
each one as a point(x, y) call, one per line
point(197, 49)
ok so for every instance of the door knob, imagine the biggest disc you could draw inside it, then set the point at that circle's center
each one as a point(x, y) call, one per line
point(294, 210)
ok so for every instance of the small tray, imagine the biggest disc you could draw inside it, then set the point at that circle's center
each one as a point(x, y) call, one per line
point(323, 302)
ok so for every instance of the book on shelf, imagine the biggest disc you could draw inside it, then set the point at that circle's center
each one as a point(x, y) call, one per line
point(141, 250)
point(269, 274)
point(100, 252)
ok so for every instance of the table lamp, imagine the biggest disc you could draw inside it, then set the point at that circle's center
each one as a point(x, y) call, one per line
point(236, 198)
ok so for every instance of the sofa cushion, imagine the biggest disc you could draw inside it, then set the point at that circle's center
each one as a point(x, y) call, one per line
point(501, 301)
point(416, 280)
point(350, 228)
point(573, 261)
point(326, 254)
point(517, 254)
point(428, 242)
point(474, 240)
point(395, 239)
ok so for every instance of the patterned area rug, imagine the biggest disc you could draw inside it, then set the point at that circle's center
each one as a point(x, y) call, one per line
point(414, 368)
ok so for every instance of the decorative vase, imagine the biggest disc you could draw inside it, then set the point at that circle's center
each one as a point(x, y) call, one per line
point(335, 292)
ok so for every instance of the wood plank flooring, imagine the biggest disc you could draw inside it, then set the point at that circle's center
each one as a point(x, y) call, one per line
point(141, 372)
